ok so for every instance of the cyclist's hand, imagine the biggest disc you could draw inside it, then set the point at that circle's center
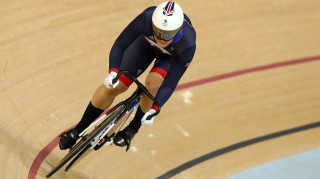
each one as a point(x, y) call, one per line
point(148, 118)
point(108, 81)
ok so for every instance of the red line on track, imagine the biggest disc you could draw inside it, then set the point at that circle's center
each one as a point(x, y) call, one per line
point(241, 72)
point(47, 149)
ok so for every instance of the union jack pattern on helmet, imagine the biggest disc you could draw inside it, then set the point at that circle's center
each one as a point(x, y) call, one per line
point(169, 9)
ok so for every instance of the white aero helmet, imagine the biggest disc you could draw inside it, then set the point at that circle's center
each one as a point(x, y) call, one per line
point(167, 20)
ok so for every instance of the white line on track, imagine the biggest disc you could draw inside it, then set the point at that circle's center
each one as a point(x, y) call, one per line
point(53, 116)
point(184, 132)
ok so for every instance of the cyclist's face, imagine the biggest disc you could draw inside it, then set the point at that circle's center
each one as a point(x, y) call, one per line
point(162, 43)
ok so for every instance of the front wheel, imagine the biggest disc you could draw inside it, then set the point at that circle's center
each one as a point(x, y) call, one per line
point(82, 144)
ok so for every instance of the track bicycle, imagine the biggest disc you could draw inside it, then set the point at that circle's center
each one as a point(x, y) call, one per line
point(106, 126)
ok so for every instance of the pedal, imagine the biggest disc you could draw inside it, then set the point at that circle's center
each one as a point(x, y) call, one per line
point(104, 141)
point(110, 142)
point(128, 143)
point(84, 137)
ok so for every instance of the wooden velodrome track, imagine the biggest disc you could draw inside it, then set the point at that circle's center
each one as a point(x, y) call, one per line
point(252, 57)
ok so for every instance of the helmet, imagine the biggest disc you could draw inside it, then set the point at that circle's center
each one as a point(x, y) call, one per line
point(167, 20)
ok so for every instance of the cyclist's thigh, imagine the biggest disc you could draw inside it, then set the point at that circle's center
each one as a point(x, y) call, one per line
point(137, 57)
point(163, 64)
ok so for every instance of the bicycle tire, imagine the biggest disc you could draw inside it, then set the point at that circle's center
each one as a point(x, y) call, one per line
point(79, 147)
point(77, 157)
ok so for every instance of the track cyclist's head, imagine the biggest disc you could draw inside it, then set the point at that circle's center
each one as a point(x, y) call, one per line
point(167, 20)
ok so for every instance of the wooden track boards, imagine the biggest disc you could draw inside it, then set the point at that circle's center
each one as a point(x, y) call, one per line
point(55, 54)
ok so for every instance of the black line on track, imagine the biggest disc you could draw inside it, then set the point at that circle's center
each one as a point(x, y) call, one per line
point(233, 147)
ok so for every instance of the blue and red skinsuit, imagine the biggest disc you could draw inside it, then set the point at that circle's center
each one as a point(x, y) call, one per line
point(133, 51)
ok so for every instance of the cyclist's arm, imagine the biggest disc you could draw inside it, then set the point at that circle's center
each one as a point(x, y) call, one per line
point(128, 35)
point(174, 75)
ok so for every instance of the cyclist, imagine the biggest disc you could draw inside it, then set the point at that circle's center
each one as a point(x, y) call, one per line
point(163, 33)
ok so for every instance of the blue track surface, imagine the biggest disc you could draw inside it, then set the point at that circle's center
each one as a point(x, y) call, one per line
point(300, 166)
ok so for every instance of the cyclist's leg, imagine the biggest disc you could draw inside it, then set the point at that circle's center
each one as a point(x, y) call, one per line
point(101, 100)
point(136, 59)
point(103, 96)
point(153, 83)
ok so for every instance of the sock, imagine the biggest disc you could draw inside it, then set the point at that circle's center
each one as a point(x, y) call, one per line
point(136, 122)
point(88, 117)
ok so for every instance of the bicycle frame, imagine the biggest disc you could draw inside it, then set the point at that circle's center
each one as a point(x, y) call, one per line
point(129, 103)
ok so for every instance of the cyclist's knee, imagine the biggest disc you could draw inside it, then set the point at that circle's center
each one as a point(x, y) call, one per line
point(153, 83)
